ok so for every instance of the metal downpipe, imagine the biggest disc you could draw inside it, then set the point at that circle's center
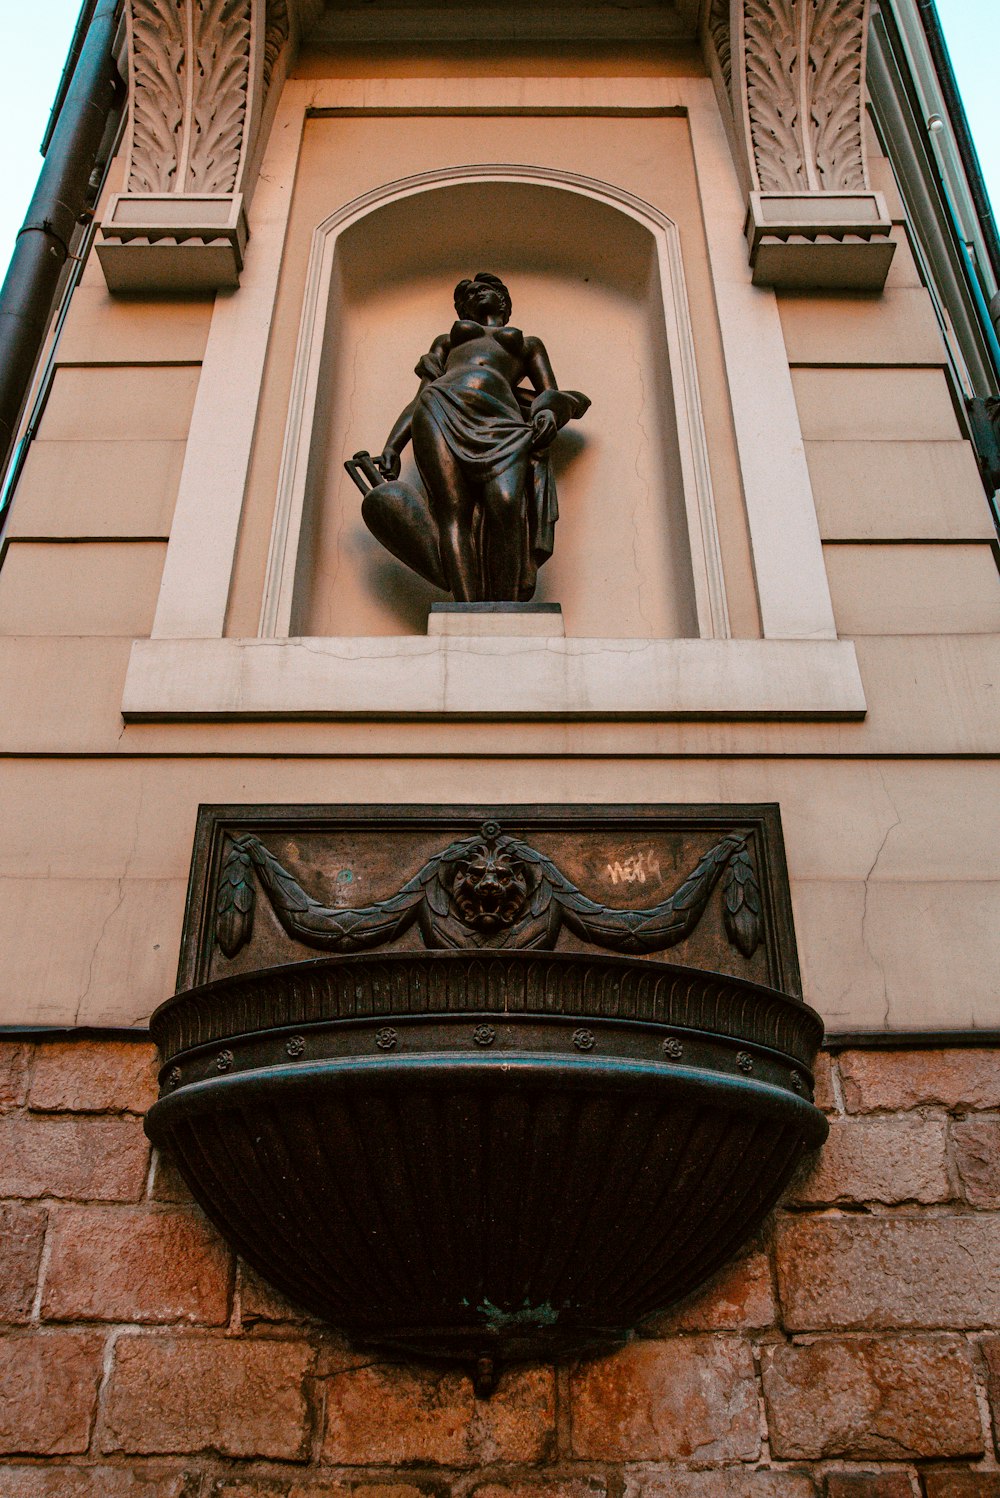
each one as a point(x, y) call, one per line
point(60, 199)
point(960, 123)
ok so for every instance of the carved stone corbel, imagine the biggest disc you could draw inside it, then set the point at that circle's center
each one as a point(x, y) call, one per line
point(201, 73)
point(793, 76)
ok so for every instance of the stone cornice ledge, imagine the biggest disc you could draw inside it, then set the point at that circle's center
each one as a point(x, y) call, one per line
point(509, 678)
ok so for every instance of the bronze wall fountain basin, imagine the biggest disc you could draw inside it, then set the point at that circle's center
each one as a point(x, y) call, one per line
point(492, 1152)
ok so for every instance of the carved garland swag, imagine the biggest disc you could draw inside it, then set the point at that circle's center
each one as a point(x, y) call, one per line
point(489, 890)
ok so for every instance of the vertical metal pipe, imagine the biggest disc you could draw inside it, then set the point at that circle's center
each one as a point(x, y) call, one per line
point(960, 124)
point(59, 200)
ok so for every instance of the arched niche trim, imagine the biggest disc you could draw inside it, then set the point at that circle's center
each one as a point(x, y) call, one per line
point(699, 505)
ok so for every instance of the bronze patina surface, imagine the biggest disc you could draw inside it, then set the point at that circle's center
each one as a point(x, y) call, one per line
point(279, 884)
point(488, 1123)
point(481, 424)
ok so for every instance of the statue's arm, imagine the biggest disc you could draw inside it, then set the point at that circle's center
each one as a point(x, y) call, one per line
point(538, 366)
point(429, 368)
point(388, 462)
point(552, 407)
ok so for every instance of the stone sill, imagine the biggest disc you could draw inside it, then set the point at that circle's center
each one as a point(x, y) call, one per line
point(459, 677)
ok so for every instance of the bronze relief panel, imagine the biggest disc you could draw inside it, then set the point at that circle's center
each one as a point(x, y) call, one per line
point(705, 885)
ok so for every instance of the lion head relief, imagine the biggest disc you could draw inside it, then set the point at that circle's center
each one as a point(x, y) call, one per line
point(489, 884)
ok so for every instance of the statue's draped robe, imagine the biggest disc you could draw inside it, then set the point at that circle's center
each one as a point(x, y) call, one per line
point(487, 426)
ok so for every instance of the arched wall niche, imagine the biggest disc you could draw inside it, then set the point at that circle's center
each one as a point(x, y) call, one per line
point(595, 273)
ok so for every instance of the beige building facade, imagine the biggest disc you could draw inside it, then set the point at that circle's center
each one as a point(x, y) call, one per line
point(777, 571)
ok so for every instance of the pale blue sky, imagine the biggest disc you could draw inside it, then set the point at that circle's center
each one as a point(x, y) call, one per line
point(35, 36)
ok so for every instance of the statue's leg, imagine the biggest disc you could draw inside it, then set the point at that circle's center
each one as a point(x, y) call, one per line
point(399, 517)
point(452, 506)
point(505, 531)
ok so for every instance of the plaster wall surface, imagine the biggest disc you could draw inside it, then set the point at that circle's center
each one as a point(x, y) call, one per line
point(893, 866)
point(889, 821)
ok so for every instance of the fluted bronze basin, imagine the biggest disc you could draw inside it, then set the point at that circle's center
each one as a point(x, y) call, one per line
point(490, 1156)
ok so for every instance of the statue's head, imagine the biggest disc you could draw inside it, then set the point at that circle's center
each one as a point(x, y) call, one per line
point(473, 297)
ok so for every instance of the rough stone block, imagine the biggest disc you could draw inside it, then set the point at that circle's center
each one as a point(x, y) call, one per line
point(976, 1143)
point(895, 1272)
point(232, 1488)
point(962, 1484)
point(81, 1076)
point(332, 1489)
point(693, 1397)
point(334, 1354)
point(329, 1488)
point(740, 1482)
point(991, 1352)
point(382, 1490)
point(739, 1296)
point(890, 1398)
point(180, 1394)
point(869, 1485)
point(874, 1080)
point(95, 1159)
point(224, 1488)
point(15, 1060)
point(879, 1159)
point(96, 1482)
point(135, 1264)
point(823, 1093)
point(168, 1183)
point(22, 1234)
point(392, 1414)
point(260, 1301)
point(48, 1391)
point(592, 1487)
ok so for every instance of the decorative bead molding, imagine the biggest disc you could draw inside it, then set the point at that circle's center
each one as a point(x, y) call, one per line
point(719, 31)
point(794, 75)
point(200, 76)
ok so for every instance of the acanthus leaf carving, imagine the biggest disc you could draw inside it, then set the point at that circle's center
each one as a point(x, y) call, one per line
point(219, 93)
point(199, 76)
point(804, 74)
point(159, 59)
point(772, 57)
point(836, 57)
point(491, 890)
point(191, 72)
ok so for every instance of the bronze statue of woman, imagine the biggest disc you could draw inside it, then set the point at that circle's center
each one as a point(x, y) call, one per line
point(481, 424)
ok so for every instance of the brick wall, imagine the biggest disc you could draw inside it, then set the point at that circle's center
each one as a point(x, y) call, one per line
point(854, 1350)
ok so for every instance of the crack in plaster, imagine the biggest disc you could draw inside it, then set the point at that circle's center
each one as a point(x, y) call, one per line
point(644, 486)
point(331, 590)
point(119, 902)
point(887, 1004)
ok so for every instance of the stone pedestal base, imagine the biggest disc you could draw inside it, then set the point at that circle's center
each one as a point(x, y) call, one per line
point(540, 619)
